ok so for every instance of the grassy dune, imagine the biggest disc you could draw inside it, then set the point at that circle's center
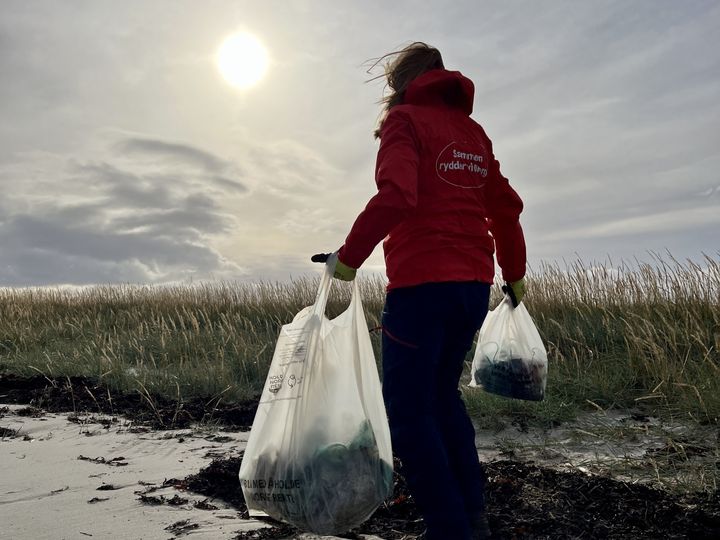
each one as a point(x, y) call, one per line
point(618, 336)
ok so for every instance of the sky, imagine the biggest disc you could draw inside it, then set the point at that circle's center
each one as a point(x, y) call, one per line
point(125, 156)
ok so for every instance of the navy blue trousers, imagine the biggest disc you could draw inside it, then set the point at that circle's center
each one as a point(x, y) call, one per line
point(427, 331)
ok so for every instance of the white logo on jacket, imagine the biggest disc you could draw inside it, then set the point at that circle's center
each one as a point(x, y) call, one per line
point(461, 167)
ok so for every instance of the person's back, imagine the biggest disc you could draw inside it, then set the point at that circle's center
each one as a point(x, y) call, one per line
point(459, 186)
point(440, 191)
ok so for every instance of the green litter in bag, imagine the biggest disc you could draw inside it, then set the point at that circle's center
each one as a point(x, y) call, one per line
point(335, 489)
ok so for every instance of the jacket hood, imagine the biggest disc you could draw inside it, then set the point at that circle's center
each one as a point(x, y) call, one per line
point(440, 86)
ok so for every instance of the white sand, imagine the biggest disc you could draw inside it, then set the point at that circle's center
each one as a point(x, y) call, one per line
point(45, 488)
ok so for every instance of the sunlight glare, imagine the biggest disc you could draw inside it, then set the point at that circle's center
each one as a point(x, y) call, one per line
point(242, 60)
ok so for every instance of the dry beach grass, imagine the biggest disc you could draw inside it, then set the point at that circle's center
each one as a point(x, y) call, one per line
point(618, 336)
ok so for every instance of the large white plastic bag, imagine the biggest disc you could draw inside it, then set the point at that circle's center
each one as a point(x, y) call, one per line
point(319, 455)
point(510, 358)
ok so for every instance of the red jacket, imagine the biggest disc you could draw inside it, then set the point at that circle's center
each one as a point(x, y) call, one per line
point(440, 193)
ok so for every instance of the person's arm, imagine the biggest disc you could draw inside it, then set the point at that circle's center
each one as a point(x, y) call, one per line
point(396, 175)
point(504, 207)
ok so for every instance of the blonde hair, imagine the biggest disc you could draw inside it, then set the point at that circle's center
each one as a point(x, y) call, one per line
point(401, 68)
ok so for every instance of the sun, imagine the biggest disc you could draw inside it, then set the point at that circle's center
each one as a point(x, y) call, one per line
point(242, 60)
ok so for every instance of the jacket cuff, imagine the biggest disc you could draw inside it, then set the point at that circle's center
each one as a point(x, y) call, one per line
point(347, 261)
point(512, 277)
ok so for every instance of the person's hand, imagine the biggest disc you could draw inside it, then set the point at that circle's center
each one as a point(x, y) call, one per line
point(342, 271)
point(515, 290)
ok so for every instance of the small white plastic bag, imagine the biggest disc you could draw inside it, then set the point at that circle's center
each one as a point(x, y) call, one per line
point(510, 358)
point(319, 455)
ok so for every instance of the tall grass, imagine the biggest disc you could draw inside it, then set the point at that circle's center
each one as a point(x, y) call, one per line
point(641, 335)
point(196, 341)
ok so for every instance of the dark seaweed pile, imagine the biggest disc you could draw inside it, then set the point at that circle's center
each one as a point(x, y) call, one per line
point(524, 501)
point(78, 394)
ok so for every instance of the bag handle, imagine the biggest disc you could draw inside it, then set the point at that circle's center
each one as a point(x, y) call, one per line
point(321, 298)
point(323, 293)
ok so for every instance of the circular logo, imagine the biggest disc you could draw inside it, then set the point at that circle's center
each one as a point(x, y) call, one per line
point(463, 165)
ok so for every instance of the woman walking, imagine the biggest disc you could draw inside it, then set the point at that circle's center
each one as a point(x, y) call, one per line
point(443, 208)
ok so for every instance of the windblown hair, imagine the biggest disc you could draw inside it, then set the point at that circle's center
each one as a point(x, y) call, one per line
point(401, 68)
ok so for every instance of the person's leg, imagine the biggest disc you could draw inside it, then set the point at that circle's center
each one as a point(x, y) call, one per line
point(413, 334)
point(466, 317)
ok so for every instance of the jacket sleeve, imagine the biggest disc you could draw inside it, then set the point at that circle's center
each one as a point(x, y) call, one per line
point(396, 176)
point(504, 207)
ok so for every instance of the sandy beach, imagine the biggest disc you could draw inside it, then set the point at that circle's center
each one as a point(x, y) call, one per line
point(85, 478)
point(74, 476)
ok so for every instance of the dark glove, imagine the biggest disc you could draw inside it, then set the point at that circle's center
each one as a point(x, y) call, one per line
point(320, 257)
point(342, 270)
point(516, 291)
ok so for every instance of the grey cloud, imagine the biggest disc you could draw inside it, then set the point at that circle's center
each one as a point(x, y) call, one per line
point(174, 151)
point(103, 245)
point(37, 251)
point(315, 221)
point(188, 222)
point(174, 209)
point(88, 213)
point(29, 267)
point(108, 221)
point(660, 222)
point(155, 223)
point(678, 243)
point(170, 196)
point(184, 163)
point(141, 196)
point(290, 169)
point(228, 184)
point(122, 187)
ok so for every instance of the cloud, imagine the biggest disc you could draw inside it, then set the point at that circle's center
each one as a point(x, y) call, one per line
point(147, 210)
point(116, 220)
point(290, 169)
point(192, 222)
point(227, 183)
point(193, 163)
point(54, 249)
point(713, 191)
point(315, 221)
point(672, 220)
point(50, 235)
point(162, 150)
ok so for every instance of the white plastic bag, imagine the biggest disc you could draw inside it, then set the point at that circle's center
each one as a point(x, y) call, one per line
point(319, 455)
point(510, 358)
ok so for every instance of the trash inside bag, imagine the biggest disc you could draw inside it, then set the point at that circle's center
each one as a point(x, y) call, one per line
point(510, 358)
point(515, 378)
point(332, 490)
point(319, 455)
